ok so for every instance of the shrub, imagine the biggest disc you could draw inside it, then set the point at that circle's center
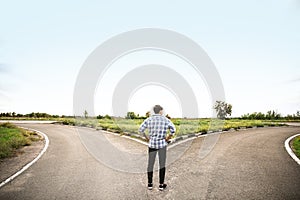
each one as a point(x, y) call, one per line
point(11, 138)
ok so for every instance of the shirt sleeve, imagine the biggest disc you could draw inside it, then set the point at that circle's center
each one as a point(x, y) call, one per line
point(172, 127)
point(143, 126)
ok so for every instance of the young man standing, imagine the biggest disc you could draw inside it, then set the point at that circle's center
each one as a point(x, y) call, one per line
point(157, 125)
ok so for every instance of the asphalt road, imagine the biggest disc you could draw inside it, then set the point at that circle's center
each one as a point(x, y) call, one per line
point(249, 164)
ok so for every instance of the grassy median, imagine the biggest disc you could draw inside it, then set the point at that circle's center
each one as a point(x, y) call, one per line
point(183, 126)
point(12, 138)
point(296, 146)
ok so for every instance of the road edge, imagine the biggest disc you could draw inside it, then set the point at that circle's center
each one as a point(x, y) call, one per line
point(174, 142)
point(30, 163)
point(289, 149)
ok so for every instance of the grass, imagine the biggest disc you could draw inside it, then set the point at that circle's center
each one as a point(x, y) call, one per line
point(12, 138)
point(183, 126)
point(296, 146)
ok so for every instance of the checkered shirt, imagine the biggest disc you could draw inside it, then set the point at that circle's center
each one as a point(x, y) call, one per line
point(157, 126)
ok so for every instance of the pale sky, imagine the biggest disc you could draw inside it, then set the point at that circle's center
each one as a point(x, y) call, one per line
point(254, 45)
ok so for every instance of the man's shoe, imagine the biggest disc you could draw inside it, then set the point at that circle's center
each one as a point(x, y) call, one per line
point(150, 186)
point(162, 187)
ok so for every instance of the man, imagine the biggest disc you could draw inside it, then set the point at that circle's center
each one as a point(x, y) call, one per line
point(157, 125)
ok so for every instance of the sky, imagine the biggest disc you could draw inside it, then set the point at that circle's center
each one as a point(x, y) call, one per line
point(254, 45)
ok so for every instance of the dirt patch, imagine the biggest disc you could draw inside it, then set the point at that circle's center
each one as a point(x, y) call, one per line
point(23, 156)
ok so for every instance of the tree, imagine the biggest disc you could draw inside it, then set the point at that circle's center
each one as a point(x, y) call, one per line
point(100, 117)
point(85, 114)
point(107, 116)
point(131, 115)
point(31, 115)
point(148, 114)
point(223, 109)
point(272, 114)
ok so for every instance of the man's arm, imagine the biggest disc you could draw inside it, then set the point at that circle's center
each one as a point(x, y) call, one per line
point(172, 129)
point(142, 129)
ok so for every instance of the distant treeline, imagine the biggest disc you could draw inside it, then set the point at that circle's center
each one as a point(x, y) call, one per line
point(130, 115)
point(32, 115)
point(271, 115)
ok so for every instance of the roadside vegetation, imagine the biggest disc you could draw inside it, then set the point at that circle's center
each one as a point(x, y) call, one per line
point(296, 146)
point(130, 123)
point(183, 126)
point(29, 116)
point(13, 138)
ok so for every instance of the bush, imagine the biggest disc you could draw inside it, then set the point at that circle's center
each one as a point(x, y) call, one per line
point(296, 146)
point(12, 138)
point(8, 125)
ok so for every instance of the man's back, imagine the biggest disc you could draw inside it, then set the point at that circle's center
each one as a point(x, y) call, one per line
point(158, 126)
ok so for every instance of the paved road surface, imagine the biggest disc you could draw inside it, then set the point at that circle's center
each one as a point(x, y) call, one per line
point(250, 164)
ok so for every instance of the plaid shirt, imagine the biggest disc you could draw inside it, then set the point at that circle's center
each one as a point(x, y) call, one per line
point(157, 126)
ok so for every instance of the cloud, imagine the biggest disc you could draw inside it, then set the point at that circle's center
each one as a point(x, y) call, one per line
point(296, 4)
point(3, 68)
point(294, 80)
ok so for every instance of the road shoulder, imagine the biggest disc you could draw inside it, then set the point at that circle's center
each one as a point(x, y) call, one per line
point(24, 155)
point(288, 148)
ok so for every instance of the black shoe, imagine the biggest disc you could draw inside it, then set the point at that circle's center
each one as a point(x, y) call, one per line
point(150, 186)
point(162, 187)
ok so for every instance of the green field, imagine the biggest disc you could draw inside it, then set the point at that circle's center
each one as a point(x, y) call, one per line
point(183, 126)
point(296, 146)
point(12, 138)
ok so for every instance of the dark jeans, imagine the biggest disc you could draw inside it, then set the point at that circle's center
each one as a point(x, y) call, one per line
point(162, 153)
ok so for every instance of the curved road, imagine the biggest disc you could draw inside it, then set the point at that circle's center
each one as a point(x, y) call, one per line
point(249, 164)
